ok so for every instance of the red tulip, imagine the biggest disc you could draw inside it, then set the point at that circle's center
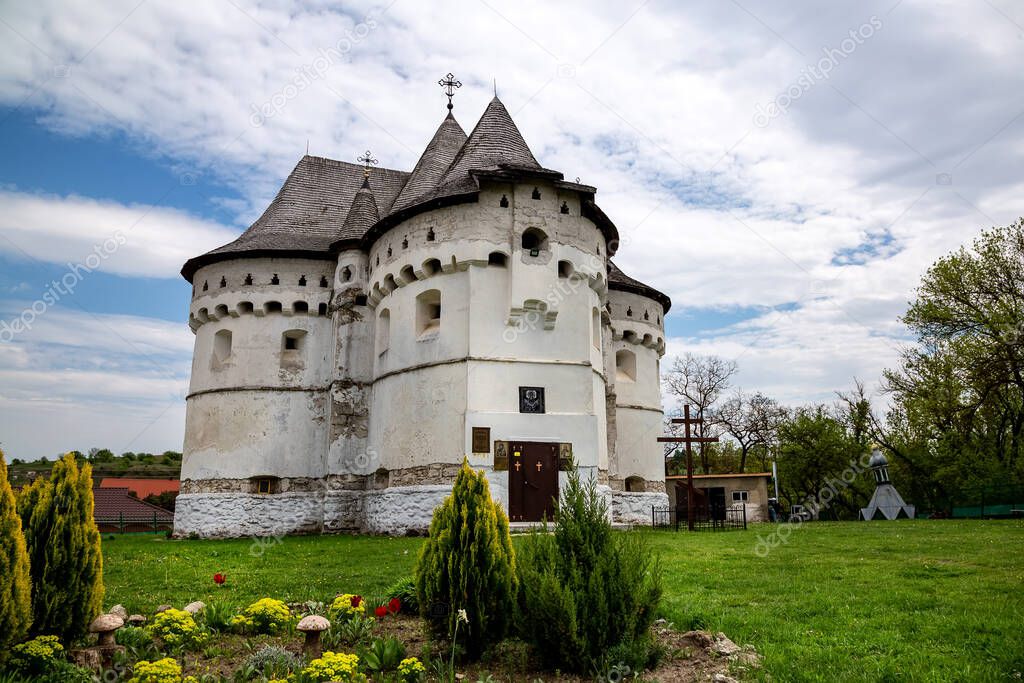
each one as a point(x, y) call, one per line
point(219, 578)
point(381, 611)
point(356, 599)
point(394, 605)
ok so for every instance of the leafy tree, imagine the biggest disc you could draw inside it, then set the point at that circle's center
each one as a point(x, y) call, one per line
point(819, 464)
point(468, 564)
point(957, 420)
point(15, 596)
point(64, 550)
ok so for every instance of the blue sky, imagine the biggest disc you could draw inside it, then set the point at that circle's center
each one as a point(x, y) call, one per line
point(784, 171)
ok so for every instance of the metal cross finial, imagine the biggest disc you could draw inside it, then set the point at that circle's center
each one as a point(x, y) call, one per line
point(367, 160)
point(449, 84)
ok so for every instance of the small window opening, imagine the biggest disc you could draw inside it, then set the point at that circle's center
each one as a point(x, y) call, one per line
point(321, 309)
point(323, 281)
point(300, 307)
point(222, 345)
point(244, 307)
point(272, 307)
point(599, 250)
point(377, 263)
point(634, 484)
point(346, 274)
point(565, 208)
point(360, 299)
point(740, 496)
point(248, 279)
point(536, 193)
point(223, 282)
point(389, 252)
point(265, 485)
point(405, 243)
point(565, 269)
point(428, 313)
point(206, 285)
point(625, 366)
point(534, 241)
point(629, 312)
point(496, 258)
point(430, 235)
point(293, 340)
point(408, 274)
point(647, 316)
point(275, 280)
point(383, 331)
point(504, 202)
point(302, 281)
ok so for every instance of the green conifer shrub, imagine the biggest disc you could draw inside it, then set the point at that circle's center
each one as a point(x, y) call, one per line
point(587, 591)
point(63, 542)
point(15, 595)
point(468, 564)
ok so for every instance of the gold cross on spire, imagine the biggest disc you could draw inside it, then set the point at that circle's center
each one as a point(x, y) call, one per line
point(449, 84)
point(367, 160)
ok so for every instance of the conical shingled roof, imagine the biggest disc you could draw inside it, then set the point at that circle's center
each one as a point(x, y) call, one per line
point(495, 140)
point(362, 215)
point(308, 213)
point(437, 157)
point(624, 283)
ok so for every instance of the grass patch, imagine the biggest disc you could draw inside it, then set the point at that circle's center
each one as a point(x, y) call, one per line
point(906, 601)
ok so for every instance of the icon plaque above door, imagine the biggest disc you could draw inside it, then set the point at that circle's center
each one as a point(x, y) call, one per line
point(531, 399)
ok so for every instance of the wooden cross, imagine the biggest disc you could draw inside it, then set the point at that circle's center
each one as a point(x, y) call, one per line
point(688, 440)
point(449, 84)
point(539, 467)
point(518, 465)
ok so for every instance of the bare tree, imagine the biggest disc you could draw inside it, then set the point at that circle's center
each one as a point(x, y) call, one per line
point(752, 420)
point(699, 381)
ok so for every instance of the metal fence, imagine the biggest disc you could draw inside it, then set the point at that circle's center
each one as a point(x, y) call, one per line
point(135, 523)
point(713, 518)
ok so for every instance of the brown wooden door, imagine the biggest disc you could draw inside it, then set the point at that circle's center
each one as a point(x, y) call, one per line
point(533, 481)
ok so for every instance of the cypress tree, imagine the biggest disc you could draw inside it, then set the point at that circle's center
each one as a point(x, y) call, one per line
point(468, 564)
point(64, 551)
point(15, 596)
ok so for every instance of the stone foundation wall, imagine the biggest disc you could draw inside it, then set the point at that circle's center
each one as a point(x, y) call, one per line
point(234, 515)
point(635, 508)
point(402, 510)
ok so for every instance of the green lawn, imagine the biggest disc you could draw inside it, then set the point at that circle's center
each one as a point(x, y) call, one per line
point(906, 601)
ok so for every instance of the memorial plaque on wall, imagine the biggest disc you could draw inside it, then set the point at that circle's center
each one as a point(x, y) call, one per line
point(501, 456)
point(531, 399)
point(481, 439)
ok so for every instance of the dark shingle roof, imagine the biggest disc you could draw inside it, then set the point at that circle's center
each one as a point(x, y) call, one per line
point(308, 212)
point(495, 140)
point(436, 159)
point(362, 215)
point(624, 283)
point(321, 206)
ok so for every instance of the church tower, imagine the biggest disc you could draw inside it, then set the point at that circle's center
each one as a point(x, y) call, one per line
point(382, 326)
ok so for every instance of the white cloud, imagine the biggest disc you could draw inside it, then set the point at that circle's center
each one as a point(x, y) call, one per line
point(76, 380)
point(131, 240)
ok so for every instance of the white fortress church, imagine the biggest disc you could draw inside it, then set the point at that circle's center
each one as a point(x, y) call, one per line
point(375, 327)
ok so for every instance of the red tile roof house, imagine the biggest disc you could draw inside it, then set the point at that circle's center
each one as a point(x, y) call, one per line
point(140, 488)
point(117, 511)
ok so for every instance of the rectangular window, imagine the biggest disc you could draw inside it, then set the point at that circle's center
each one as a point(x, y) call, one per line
point(263, 485)
point(739, 496)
